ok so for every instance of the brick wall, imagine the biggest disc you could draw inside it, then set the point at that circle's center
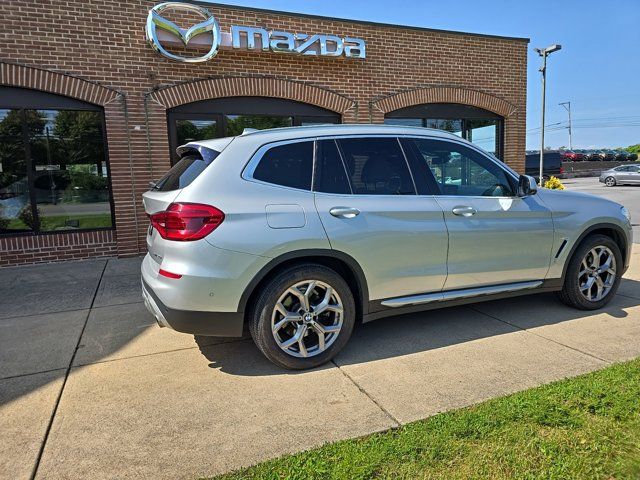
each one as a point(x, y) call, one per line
point(96, 50)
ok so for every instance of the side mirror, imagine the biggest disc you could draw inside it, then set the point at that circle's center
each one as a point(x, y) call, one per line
point(527, 186)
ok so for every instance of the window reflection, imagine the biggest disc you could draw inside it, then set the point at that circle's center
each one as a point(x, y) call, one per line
point(484, 132)
point(58, 161)
point(237, 123)
point(15, 205)
point(193, 130)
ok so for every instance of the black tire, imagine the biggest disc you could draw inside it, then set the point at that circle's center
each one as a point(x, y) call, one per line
point(570, 293)
point(262, 309)
point(610, 178)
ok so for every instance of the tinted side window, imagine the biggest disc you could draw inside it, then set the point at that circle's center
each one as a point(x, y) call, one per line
point(182, 173)
point(289, 165)
point(376, 166)
point(331, 176)
point(460, 170)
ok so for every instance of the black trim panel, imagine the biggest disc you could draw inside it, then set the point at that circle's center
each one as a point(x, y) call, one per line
point(213, 324)
point(380, 311)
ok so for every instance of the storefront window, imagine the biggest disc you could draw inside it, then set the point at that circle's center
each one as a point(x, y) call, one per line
point(235, 124)
point(14, 186)
point(451, 126)
point(53, 171)
point(193, 130)
point(229, 116)
point(479, 126)
point(483, 133)
point(405, 122)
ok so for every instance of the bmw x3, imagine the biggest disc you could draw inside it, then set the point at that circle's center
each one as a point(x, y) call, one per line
point(297, 234)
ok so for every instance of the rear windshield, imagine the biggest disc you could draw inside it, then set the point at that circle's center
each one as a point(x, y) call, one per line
point(184, 172)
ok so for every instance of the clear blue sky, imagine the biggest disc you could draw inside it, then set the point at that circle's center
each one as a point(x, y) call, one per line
point(598, 68)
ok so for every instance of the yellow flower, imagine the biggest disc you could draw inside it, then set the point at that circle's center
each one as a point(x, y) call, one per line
point(554, 183)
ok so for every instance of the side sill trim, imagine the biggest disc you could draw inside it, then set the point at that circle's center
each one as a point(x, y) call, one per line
point(459, 294)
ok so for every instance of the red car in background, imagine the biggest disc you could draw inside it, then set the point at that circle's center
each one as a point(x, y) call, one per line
point(571, 156)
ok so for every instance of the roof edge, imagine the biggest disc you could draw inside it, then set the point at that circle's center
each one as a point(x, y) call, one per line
point(360, 22)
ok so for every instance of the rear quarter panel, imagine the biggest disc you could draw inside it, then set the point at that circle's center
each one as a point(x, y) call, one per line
point(260, 218)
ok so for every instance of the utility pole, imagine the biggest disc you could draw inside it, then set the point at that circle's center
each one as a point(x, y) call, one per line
point(544, 53)
point(567, 107)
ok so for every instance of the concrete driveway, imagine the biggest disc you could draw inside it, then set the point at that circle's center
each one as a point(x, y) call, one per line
point(91, 388)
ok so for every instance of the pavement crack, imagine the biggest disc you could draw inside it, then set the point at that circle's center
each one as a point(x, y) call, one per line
point(36, 465)
point(28, 374)
point(541, 336)
point(376, 403)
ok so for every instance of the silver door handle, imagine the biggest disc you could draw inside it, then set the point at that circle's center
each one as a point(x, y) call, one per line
point(344, 212)
point(464, 211)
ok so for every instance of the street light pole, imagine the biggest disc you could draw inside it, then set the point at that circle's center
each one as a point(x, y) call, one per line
point(567, 107)
point(544, 53)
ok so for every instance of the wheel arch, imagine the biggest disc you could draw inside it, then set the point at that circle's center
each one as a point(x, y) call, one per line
point(611, 230)
point(341, 262)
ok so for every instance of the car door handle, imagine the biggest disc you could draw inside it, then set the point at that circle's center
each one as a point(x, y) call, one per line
point(464, 211)
point(344, 212)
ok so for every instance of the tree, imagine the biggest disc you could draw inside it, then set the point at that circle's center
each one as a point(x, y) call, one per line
point(633, 148)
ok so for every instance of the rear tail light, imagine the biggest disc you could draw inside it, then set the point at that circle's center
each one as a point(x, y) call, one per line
point(165, 273)
point(185, 222)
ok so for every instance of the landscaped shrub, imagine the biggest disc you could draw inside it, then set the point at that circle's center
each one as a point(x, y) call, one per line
point(554, 183)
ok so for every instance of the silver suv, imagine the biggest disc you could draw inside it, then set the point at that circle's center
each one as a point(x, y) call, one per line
point(301, 232)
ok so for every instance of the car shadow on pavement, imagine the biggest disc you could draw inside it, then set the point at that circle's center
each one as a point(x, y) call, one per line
point(419, 332)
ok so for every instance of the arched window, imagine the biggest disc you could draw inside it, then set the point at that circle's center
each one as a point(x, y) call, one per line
point(222, 117)
point(482, 127)
point(54, 172)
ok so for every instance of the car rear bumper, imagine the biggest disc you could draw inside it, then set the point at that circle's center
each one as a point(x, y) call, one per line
point(216, 324)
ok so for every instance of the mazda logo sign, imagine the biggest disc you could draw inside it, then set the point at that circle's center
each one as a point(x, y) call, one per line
point(156, 21)
point(242, 37)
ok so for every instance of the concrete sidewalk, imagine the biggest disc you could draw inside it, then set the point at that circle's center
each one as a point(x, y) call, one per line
point(136, 401)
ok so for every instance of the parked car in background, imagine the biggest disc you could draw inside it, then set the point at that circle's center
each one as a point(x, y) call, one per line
point(571, 156)
point(633, 157)
point(621, 156)
point(622, 175)
point(608, 155)
point(593, 156)
point(552, 164)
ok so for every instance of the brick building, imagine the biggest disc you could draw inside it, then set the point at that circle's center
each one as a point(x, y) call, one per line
point(90, 113)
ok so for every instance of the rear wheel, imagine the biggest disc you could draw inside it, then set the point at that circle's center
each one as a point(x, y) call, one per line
point(303, 317)
point(610, 182)
point(593, 274)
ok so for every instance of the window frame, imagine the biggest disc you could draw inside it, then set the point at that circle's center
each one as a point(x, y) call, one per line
point(30, 170)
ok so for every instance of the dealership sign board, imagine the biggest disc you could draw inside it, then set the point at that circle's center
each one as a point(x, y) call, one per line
point(207, 34)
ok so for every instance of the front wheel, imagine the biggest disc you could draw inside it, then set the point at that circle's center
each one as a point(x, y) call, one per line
point(610, 182)
point(303, 317)
point(593, 274)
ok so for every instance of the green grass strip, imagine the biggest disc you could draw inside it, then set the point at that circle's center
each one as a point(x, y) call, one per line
point(586, 427)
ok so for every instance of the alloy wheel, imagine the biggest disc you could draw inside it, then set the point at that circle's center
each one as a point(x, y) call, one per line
point(597, 273)
point(610, 181)
point(307, 318)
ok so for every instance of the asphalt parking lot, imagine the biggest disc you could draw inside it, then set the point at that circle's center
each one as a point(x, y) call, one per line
point(627, 195)
point(90, 387)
